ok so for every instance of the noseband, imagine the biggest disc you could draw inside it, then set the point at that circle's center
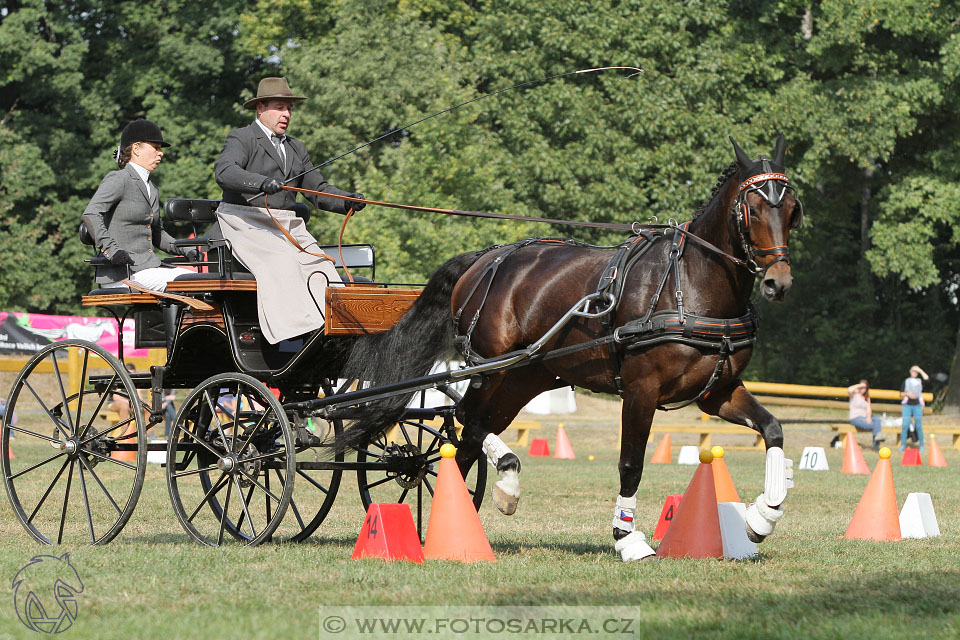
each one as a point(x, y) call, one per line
point(766, 186)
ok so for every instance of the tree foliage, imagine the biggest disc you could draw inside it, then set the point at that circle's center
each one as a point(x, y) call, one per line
point(866, 92)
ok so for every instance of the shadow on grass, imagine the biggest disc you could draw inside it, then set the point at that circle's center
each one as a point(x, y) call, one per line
point(911, 597)
point(180, 539)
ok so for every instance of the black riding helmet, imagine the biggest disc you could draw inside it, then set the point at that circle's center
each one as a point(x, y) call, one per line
point(141, 131)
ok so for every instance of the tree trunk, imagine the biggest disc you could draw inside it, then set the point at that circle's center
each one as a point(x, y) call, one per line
point(951, 400)
point(865, 194)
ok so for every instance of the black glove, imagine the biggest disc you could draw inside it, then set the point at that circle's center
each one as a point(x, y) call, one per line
point(121, 257)
point(192, 255)
point(271, 186)
point(356, 206)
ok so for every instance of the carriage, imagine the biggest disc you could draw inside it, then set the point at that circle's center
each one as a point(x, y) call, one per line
point(663, 319)
point(255, 423)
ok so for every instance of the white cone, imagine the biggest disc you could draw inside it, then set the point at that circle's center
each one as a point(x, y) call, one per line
point(689, 454)
point(814, 459)
point(733, 531)
point(917, 519)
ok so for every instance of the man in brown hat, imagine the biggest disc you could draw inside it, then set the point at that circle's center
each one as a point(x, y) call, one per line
point(256, 161)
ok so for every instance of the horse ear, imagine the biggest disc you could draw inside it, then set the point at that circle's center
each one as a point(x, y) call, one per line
point(742, 157)
point(779, 150)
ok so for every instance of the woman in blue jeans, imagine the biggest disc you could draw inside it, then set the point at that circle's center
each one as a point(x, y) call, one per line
point(912, 393)
point(861, 413)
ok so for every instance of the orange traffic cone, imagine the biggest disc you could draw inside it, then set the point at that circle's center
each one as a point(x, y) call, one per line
point(662, 453)
point(127, 456)
point(564, 450)
point(695, 530)
point(722, 481)
point(454, 531)
point(876, 517)
point(853, 461)
point(934, 459)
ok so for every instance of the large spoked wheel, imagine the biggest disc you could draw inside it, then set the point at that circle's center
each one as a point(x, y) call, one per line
point(316, 488)
point(406, 461)
point(72, 476)
point(231, 461)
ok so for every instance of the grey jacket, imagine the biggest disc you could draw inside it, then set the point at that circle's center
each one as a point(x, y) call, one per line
point(121, 216)
point(248, 158)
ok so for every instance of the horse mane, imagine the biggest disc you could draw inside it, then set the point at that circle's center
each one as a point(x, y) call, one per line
point(732, 168)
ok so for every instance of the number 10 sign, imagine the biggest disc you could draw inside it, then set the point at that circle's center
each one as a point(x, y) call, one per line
point(814, 459)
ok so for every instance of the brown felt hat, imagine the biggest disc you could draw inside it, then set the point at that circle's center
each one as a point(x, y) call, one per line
point(270, 88)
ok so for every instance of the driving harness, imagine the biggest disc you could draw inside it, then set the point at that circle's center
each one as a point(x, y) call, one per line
point(726, 335)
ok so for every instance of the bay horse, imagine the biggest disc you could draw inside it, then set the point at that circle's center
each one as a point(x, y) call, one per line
point(664, 318)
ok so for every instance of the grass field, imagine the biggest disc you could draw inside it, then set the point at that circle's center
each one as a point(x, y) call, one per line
point(152, 582)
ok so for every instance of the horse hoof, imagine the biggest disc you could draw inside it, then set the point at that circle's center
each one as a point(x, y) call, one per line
point(634, 547)
point(753, 536)
point(506, 503)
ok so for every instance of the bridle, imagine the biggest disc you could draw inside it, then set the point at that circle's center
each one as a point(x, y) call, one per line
point(773, 187)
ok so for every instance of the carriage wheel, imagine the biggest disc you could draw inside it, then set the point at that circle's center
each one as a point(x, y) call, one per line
point(73, 476)
point(412, 451)
point(231, 461)
point(316, 489)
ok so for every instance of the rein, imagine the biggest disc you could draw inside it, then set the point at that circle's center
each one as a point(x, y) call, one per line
point(293, 240)
point(477, 214)
point(739, 210)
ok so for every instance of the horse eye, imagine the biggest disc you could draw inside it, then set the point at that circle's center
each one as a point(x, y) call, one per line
point(754, 212)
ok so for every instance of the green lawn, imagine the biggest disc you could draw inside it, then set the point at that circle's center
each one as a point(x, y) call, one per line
point(152, 582)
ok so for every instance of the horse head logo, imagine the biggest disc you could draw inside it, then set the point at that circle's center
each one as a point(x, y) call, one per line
point(45, 593)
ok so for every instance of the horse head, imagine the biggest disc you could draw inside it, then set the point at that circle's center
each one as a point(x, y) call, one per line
point(764, 211)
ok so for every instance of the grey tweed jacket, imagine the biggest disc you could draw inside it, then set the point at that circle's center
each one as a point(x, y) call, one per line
point(248, 158)
point(122, 216)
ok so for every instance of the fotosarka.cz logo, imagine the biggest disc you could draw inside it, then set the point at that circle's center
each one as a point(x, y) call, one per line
point(45, 593)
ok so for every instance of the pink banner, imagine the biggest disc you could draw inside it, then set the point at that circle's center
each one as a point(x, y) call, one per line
point(25, 333)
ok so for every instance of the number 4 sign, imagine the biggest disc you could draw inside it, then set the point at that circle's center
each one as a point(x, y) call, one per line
point(666, 516)
point(814, 459)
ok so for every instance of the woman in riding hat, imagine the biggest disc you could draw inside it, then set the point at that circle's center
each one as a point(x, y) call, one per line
point(123, 217)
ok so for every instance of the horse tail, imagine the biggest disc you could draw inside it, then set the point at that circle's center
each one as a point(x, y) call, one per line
point(409, 350)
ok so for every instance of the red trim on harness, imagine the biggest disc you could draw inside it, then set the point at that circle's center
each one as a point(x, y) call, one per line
point(763, 177)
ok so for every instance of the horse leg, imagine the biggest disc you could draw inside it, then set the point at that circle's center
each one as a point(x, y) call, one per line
point(636, 418)
point(737, 405)
point(485, 413)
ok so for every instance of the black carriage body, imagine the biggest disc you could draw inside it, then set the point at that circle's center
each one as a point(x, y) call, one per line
point(257, 415)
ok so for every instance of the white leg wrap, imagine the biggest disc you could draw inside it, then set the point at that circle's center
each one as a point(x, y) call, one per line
point(509, 483)
point(762, 518)
point(624, 512)
point(779, 477)
point(494, 448)
point(634, 547)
